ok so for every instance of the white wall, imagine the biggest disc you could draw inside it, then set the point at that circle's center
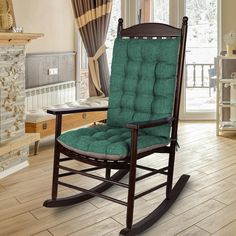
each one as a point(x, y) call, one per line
point(54, 18)
point(228, 17)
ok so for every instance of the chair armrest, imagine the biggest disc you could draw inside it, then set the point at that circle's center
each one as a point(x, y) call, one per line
point(149, 123)
point(75, 110)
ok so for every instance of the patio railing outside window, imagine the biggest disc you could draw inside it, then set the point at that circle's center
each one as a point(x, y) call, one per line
point(200, 85)
point(198, 75)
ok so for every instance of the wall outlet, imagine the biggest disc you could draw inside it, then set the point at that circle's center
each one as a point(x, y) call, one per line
point(53, 71)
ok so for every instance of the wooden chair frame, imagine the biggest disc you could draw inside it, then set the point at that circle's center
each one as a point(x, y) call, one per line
point(129, 164)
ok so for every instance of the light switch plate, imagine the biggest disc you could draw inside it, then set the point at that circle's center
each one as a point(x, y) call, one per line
point(53, 71)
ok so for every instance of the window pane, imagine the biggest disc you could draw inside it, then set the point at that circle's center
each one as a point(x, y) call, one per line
point(112, 31)
point(161, 11)
point(84, 84)
point(200, 53)
point(83, 57)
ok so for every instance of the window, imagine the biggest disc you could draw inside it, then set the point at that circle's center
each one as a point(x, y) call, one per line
point(83, 72)
point(112, 31)
point(154, 10)
point(160, 12)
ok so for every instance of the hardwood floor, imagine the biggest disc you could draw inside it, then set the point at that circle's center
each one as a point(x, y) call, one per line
point(206, 207)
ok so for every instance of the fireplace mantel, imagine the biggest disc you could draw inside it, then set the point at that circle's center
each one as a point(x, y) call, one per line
point(9, 38)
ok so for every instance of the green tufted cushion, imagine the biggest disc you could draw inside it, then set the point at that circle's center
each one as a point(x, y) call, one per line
point(143, 81)
point(142, 88)
point(108, 142)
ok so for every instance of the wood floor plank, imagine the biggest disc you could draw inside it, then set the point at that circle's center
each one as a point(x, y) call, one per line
point(185, 220)
point(228, 230)
point(113, 233)
point(21, 176)
point(33, 186)
point(86, 220)
point(219, 219)
point(18, 209)
point(213, 178)
point(218, 165)
point(15, 225)
point(59, 217)
point(193, 231)
point(199, 197)
point(232, 179)
point(227, 197)
point(101, 228)
point(43, 233)
point(29, 196)
point(7, 203)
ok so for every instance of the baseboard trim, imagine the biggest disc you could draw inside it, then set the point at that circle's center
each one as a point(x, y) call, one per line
point(13, 169)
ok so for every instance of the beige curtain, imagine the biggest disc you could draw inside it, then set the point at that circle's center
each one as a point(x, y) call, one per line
point(93, 17)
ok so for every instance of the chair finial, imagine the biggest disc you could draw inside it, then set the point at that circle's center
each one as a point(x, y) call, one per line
point(185, 20)
point(120, 27)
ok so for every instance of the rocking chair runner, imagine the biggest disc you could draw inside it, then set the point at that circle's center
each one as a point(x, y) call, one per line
point(143, 111)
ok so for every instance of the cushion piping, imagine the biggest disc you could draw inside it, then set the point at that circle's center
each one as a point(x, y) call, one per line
point(107, 156)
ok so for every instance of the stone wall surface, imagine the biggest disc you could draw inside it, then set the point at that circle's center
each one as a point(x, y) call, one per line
point(13, 158)
point(12, 92)
point(12, 104)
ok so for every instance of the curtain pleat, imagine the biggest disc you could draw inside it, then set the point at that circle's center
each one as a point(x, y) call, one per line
point(93, 17)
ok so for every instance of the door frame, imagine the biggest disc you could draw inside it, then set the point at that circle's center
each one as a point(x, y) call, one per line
point(177, 21)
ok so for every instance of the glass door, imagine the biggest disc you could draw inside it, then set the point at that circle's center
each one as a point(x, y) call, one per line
point(199, 87)
point(201, 50)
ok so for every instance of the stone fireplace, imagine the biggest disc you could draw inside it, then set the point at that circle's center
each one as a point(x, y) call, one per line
point(14, 144)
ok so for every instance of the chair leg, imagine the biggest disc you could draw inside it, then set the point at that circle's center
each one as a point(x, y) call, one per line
point(130, 206)
point(55, 172)
point(56, 157)
point(108, 173)
point(170, 171)
point(172, 194)
point(132, 181)
point(158, 212)
point(131, 193)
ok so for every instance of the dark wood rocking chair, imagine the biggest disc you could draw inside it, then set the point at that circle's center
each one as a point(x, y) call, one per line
point(143, 112)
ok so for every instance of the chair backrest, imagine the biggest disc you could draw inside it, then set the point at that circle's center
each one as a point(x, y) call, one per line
point(146, 75)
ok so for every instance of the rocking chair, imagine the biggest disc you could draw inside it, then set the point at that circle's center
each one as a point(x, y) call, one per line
point(143, 111)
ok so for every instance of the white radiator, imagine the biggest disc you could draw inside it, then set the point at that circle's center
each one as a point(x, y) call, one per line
point(54, 94)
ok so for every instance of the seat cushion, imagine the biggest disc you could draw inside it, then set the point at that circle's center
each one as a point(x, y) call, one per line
point(106, 142)
point(143, 81)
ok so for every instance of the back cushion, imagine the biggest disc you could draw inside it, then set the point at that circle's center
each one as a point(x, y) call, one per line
point(143, 78)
